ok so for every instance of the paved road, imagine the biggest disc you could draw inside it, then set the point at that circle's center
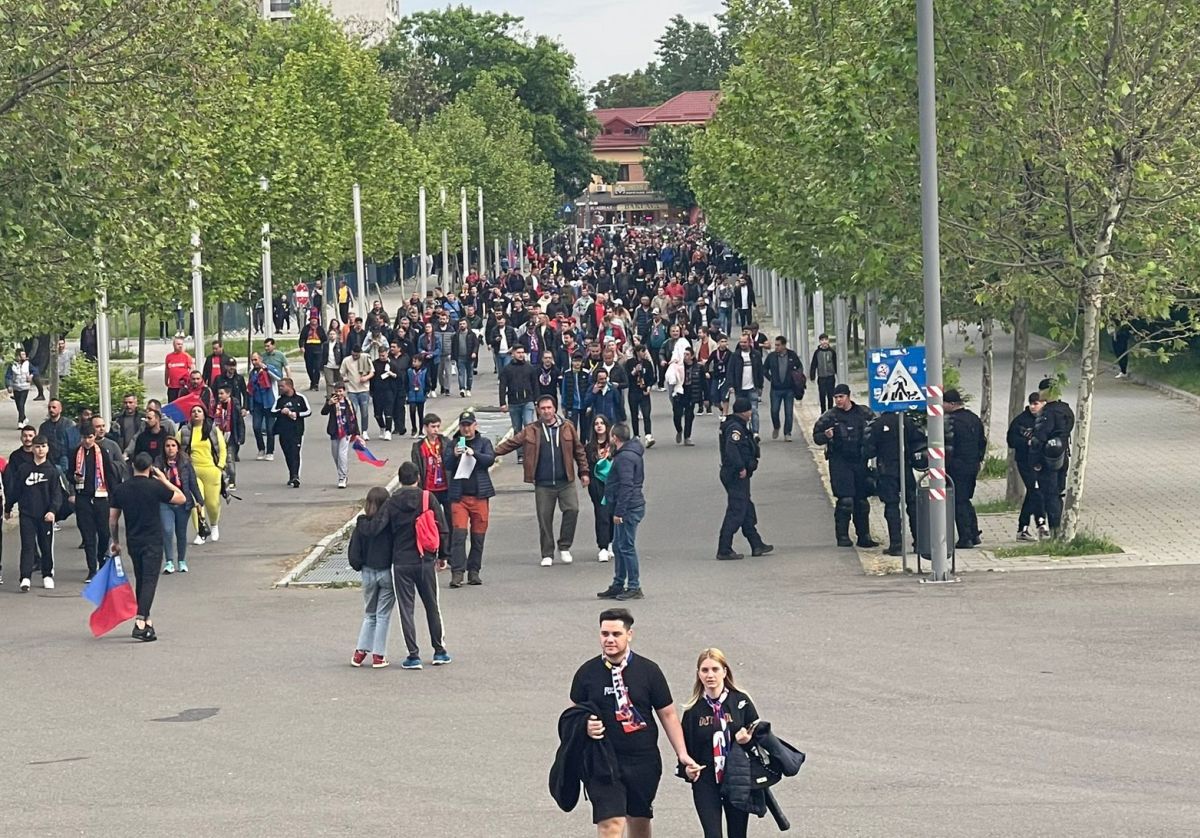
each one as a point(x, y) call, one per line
point(1050, 704)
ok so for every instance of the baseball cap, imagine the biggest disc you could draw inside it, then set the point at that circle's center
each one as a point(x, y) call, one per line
point(742, 404)
point(841, 390)
point(467, 417)
point(952, 396)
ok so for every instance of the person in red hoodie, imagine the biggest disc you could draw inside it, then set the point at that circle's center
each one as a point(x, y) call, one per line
point(177, 369)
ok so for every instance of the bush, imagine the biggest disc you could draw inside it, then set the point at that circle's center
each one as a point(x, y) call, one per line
point(994, 468)
point(81, 387)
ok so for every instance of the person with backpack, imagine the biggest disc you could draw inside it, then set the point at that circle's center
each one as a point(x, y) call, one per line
point(372, 557)
point(206, 447)
point(420, 547)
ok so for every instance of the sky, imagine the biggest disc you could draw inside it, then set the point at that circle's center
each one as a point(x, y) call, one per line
point(606, 36)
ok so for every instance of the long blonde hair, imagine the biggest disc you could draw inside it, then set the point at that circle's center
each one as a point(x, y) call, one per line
point(717, 655)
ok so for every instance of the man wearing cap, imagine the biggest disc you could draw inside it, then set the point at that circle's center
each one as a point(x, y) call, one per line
point(739, 459)
point(966, 448)
point(1052, 431)
point(842, 430)
point(93, 476)
point(473, 453)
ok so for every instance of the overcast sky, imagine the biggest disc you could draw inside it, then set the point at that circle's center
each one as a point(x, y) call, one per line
point(606, 36)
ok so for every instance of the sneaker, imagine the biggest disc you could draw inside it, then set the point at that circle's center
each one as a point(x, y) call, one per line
point(411, 662)
point(566, 557)
point(603, 555)
point(729, 557)
point(1044, 531)
point(387, 435)
point(648, 441)
point(91, 574)
point(610, 592)
point(787, 437)
point(678, 437)
point(630, 593)
point(456, 579)
point(547, 561)
point(433, 395)
point(1026, 535)
point(169, 567)
point(182, 566)
point(57, 527)
point(48, 583)
point(1121, 375)
point(473, 578)
point(762, 549)
point(468, 394)
point(271, 458)
point(462, 394)
point(687, 443)
point(199, 540)
point(366, 436)
point(775, 433)
point(360, 655)
point(379, 661)
point(216, 534)
point(24, 586)
point(262, 455)
point(441, 659)
point(341, 484)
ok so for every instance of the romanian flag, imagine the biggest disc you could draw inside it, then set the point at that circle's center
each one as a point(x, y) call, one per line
point(113, 597)
point(179, 411)
point(365, 455)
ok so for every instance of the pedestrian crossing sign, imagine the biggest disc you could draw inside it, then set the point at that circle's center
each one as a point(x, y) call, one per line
point(897, 378)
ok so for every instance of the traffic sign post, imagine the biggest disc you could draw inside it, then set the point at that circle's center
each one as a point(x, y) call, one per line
point(896, 378)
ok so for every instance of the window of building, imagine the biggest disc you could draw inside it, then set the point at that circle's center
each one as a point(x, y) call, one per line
point(623, 173)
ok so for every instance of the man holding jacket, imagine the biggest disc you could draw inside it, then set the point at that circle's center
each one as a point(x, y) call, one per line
point(623, 495)
point(779, 367)
point(469, 498)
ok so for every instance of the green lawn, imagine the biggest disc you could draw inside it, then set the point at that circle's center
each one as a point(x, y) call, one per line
point(1084, 544)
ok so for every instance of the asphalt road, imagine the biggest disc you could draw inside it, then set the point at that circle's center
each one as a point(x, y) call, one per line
point(1055, 704)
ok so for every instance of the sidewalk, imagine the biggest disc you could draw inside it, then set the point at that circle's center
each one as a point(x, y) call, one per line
point(1140, 490)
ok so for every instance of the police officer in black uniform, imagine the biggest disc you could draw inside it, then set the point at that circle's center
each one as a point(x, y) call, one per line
point(883, 443)
point(1052, 431)
point(966, 449)
point(739, 459)
point(842, 430)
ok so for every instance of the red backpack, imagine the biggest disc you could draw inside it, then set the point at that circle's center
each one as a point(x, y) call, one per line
point(429, 537)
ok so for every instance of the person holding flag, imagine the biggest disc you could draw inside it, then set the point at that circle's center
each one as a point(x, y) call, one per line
point(139, 498)
point(342, 427)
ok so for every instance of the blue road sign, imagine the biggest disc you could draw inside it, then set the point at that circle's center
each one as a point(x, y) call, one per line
point(896, 378)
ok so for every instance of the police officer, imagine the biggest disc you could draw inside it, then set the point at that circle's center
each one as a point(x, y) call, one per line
point(842, 429)
point(1020, 440)
point(966, 448)
point(739, 459)
point(883, 443)
point(1052, 430)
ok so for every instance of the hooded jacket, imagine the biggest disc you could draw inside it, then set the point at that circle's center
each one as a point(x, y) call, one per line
point(580, 759)
point(623, 489)
point(399, 517)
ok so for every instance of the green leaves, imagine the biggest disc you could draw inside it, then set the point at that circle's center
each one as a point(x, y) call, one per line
point(668, 163)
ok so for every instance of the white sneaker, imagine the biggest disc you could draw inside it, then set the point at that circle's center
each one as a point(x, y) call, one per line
point(48, 583)
point(1044, 531)
point(1121, 375)
point(433, 395)
point(648, 441)
point(261, 455)
point(468, 394)
point(366, 436)
point(24, 585)
point(546, 562)
point(271, 457)
point(603, 555)
point(216, 534)
point(341, 484)
point(387, 435)
point(565, 555)
point(57, 526)
point(199, 540)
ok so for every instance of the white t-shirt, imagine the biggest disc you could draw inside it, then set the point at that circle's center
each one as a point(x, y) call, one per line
point(747, 371)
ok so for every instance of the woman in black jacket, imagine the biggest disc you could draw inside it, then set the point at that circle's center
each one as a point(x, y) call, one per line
point(718, 717)
point(372, 556)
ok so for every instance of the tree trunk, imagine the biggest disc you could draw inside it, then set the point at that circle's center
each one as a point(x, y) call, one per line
point(221, 322)
point(53, 377)
point(1015, 491)
point(142, 344)
point(989, 365)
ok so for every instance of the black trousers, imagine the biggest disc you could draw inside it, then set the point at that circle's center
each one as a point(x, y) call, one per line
point(91, 516)
point(739, 513)
point(639, 406)
point(965, 520)
point(889, 493)
point(383, 398)
point(1031, 508)
point(19, 398)
point(147, 562)
point(411, 581)
point(825, 385)
point(396, 411)
point(290, 446)
point(312, 366)
point(37, 539)
point(706, 795)
point(683, 412)
point(1051, 485)
point(603, 514)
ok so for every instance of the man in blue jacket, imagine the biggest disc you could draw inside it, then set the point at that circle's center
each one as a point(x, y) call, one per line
point(623, 493)
point(603, 399)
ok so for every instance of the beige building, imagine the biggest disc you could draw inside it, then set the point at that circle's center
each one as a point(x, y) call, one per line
point(370, 11)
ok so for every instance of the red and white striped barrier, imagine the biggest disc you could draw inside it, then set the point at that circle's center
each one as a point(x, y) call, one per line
point(936, 410)
point(937, 473)
point(937, 453)
point(932, 390)
point(937, 494)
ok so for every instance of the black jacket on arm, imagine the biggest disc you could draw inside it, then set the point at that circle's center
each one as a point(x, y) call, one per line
point(579, 758)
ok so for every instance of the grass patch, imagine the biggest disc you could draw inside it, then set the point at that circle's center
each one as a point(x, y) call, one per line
point(994, 507)
point(1083, 544)
point(994, 468)
point(1182, 371)
point(122, 355)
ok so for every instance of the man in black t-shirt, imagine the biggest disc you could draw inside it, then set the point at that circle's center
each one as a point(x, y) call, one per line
point(139, 498)
point(633, 690)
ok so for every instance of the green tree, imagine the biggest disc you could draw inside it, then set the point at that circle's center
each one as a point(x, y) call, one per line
point(629, 90)
point(668, 163)
point(690, 57)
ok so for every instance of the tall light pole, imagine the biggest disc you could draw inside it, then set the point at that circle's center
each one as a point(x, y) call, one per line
point(102, 350)
point(496, 254)
point(482, 240)
point(359, 266)
point(466, 244)
point(931, 262)
point(197, 286)
point(268, 320)
point(445, 246)
point(424, 273)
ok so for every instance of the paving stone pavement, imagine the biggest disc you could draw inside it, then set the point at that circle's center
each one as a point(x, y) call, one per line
point(1141, 490)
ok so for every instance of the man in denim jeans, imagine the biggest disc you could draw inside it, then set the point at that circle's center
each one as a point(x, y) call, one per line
point(623, 492)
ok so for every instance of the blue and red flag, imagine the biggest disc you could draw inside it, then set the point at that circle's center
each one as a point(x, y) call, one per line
point(365, 455)
point(113, 597)
point(179, 411)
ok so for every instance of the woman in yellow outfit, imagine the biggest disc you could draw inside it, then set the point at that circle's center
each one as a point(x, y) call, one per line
point(206, 447)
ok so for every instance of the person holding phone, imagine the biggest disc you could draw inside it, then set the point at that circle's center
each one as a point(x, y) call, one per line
point(469, 498)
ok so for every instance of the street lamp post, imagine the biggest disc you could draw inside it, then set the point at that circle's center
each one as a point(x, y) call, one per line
point(466, 244)
point(197, 286)
point(482, 240)
point(442, 280)
point(102, 354)
point(359, 265)
point(424, 273)
point(268, 320)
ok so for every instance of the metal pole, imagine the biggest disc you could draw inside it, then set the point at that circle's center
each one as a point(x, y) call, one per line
point(197, 287)
point(841, 328)
point(818, 301)
point(466, 243)
point(805, 355)
point(442, 280)
point(359, 266)
point(482, 245)
point(424, 273)
point(102, 351)
point(930, 258)
point(496, 254)
point(268, 320)
point(904, 472)
point(521, 253)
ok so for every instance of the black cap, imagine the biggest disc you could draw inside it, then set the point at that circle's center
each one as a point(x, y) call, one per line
point(841, 390)
point(952, 396)
point(742, 405)
point(1047, 384)
point(467, 417)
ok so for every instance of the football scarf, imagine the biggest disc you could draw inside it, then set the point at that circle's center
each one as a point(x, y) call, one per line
point(720, 733)
point(629, 717)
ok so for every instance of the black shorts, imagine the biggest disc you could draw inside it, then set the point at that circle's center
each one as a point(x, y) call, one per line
point(632, 794)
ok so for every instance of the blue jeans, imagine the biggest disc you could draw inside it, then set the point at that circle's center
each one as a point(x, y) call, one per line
point(264, 429)
point(626, 570)
point(520, 415)
point(362, 403)
point(785, 398)
point(175, 530)
point(379, 598)
point(502, 361)
point(465, 374)
point(755, 397)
